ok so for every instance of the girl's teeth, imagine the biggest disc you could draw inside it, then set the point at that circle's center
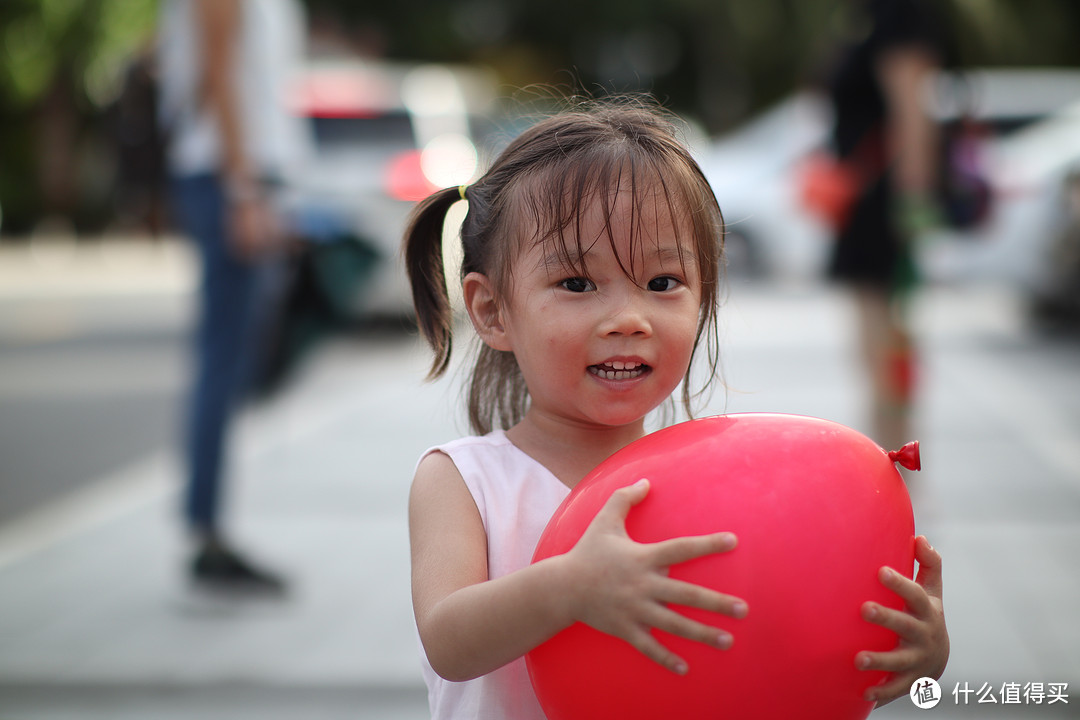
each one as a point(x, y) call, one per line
point(618, 371)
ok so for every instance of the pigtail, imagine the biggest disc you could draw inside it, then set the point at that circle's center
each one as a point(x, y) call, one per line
point(427, 276)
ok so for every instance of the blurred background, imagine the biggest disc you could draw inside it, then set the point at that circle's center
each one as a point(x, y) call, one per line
point(97, 290)
point(81, 156)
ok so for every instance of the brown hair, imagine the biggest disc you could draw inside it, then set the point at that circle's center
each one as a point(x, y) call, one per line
point(545, 179)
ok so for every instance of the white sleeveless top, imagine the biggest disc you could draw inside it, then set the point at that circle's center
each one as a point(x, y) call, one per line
point(516, 496)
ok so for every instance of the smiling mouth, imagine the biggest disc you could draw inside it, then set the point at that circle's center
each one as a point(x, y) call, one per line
point(619, 370)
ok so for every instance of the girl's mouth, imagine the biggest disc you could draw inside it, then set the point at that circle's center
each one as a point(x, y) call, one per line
point(618, 370)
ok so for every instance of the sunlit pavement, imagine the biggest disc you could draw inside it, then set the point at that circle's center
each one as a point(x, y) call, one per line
point(96, 620)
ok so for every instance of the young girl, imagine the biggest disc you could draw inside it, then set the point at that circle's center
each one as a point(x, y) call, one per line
point(592, 250)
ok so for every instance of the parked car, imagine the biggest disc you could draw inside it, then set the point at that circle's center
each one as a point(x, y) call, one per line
point(385, 136)
point(752, 172)
point(1032, 141)
point(1039, 226)
point(1055, 293)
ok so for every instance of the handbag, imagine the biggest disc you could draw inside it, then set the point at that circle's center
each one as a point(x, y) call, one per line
point(829, 187)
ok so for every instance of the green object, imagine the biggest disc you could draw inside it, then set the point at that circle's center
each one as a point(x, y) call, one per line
point(322, 299)
point(340, 270)
point(917, 214)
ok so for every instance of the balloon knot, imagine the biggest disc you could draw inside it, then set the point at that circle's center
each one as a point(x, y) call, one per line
point(908, 456)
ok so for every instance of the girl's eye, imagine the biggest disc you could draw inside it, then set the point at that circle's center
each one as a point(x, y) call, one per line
point(664, 283)
point(578, 285)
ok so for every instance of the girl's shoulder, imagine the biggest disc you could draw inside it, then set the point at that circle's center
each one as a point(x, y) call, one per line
point(460, 469)
point(486, 463)
point(471, 445)
point(464, 451)
point(494, 439)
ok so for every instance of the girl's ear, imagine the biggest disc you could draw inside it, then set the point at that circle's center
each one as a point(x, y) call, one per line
point(479, 296)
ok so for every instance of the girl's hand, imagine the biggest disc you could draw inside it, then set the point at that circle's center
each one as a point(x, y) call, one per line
point(623, 588)
point(923, 649)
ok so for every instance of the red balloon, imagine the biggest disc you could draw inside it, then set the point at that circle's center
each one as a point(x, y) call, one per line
point(818, 509)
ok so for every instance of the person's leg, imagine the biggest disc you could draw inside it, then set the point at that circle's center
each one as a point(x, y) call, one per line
point(220, 347)
point(222, 357)
point(889, 357)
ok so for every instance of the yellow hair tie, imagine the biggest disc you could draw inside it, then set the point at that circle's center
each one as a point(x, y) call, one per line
point(461, 190)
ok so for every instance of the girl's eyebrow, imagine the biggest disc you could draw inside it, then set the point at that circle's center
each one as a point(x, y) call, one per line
point(558, 261)
point(561, 260)
point(674, 254)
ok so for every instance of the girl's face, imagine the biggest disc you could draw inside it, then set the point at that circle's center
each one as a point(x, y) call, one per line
point(602, 348)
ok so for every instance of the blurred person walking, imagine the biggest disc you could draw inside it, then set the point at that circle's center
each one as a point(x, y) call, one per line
point(883, 135)
point(225, 66)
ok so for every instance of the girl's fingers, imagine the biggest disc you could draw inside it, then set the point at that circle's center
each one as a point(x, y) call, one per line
point(656, 559)
point(651, 648)
point(627, 497)
point(678, 592)
point(929, 567)
point(622, 500)
point(906, 626)
point(675, 623)
point(890, 690)
point(678, 550)
point(897, 660)
point(912, 593)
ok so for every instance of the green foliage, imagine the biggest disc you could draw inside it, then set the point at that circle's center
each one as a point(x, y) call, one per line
point(83, 42)
point(57, 57)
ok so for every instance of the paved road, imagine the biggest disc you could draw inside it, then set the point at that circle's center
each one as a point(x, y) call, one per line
point(92, 361)
point(95, 621)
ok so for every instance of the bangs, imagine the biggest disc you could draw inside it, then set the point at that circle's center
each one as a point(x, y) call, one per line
point(557, 208)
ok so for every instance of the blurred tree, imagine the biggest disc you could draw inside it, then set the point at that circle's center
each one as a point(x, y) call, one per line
point(716, 60)
point(62, 63)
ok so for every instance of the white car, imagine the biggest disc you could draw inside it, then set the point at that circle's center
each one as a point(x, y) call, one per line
point(386, 135)
point(753, 174)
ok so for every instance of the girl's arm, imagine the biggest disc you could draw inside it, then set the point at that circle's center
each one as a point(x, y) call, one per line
point(470, 625)
point(923, 649)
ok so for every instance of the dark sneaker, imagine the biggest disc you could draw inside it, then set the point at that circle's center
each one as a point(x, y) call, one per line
point(221, 569)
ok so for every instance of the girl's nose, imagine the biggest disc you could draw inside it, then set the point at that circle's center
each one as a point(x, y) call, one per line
point(627, 315)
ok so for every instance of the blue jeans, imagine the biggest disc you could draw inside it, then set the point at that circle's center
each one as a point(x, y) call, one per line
point(231, 322)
